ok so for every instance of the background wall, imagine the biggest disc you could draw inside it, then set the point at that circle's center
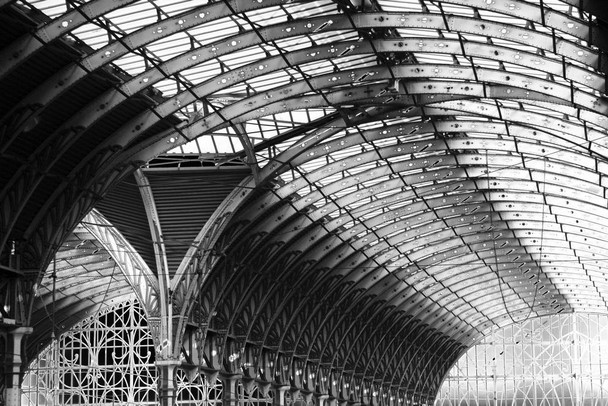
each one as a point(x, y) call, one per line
point(555, 360)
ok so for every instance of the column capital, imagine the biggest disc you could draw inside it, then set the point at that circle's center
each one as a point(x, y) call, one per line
point(280, 386)
point(167, 362)
point(279, 393)
point(230, 375)
point(210, 373)
point(23, 330)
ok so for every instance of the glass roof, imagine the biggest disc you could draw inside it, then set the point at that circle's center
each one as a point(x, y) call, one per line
point(440, 138)
point(557, 359)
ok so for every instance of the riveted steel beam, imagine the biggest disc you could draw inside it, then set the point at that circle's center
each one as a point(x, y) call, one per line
point(134, 268)
point(23, 48)
point(372, 19)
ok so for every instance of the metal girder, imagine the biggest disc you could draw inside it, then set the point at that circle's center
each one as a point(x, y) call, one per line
point(372, 18)
point(134, 268)
point(105, 55)
point(74, 200)
point(432, 248)
point(79, 309)
point(112, 98)
point(23, 48)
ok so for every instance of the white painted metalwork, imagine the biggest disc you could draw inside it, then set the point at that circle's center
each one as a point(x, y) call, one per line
point(552, 360)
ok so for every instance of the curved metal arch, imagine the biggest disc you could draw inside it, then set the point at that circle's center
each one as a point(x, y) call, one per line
point(309, 322)
point(393, 361)
point(362, 339)
point(408, 359)
point(107, 166)
point(264, 301)
point(135, 269)
point(107, 54)
point(351, 340)
point(204, 129)
point(353, 303)
point(279, 323)
point(233, 279)
point(371, 160)
point(374, 344)
point(422, 362)
point(112, 98)
point(385, 344)
point(396, 310)
point(24, 47)
point(80, 310)
point(440, 127)
point(342, 282)
point(75, 193)
point(557, 127)
point(429, 386)
point(440, 105)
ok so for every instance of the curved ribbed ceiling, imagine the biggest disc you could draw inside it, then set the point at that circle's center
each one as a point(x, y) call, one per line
point(422, 170)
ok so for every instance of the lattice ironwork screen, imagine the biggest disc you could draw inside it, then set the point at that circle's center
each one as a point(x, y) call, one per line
point(296, 399)
point(108, 359)
point(194, 389)
point(253, 396)
point(559, 360)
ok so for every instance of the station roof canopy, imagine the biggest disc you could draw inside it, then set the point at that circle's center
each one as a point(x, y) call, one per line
point(362, 181)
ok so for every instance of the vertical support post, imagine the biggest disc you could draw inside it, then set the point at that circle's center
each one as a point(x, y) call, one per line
point(230, 393)
point(12, 365)
point(321, 400)
point(167, 383)
point(279, 394)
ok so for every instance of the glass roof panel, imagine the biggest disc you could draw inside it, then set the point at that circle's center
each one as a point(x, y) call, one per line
point(461, 123)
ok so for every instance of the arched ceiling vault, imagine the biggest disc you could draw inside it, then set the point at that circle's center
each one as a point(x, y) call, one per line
point(421, 171)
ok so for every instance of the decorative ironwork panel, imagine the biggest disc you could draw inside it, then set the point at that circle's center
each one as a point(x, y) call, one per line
point(194, 389)
point(558, 360)
point(296, 399)
point(253, 396)
point(107, 359)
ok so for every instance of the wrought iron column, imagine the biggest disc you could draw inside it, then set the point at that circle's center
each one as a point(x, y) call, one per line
point(321, 400)
point(12, 365)
point(230, 394)
point(167, 385)
point(279, 395)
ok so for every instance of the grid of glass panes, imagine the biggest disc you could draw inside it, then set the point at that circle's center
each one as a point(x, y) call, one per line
point(554, 360)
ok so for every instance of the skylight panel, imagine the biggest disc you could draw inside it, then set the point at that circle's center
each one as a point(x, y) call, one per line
point(417, 33)
point(51, 8)
point(267, 16)
point(242, 57)
point(400, 6)
point(214, 31)
point(502, 18)
point(133, 64)
point(334, 36)
point(223, 144)
point(170, 47)
point(289, 44)
point(134, 16)
point(174, 7)
point(314, 8)
point(92, 35)
point(269, 81)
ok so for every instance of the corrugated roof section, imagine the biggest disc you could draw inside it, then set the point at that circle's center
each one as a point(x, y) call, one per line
point(185, 200)
point(124, 208)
